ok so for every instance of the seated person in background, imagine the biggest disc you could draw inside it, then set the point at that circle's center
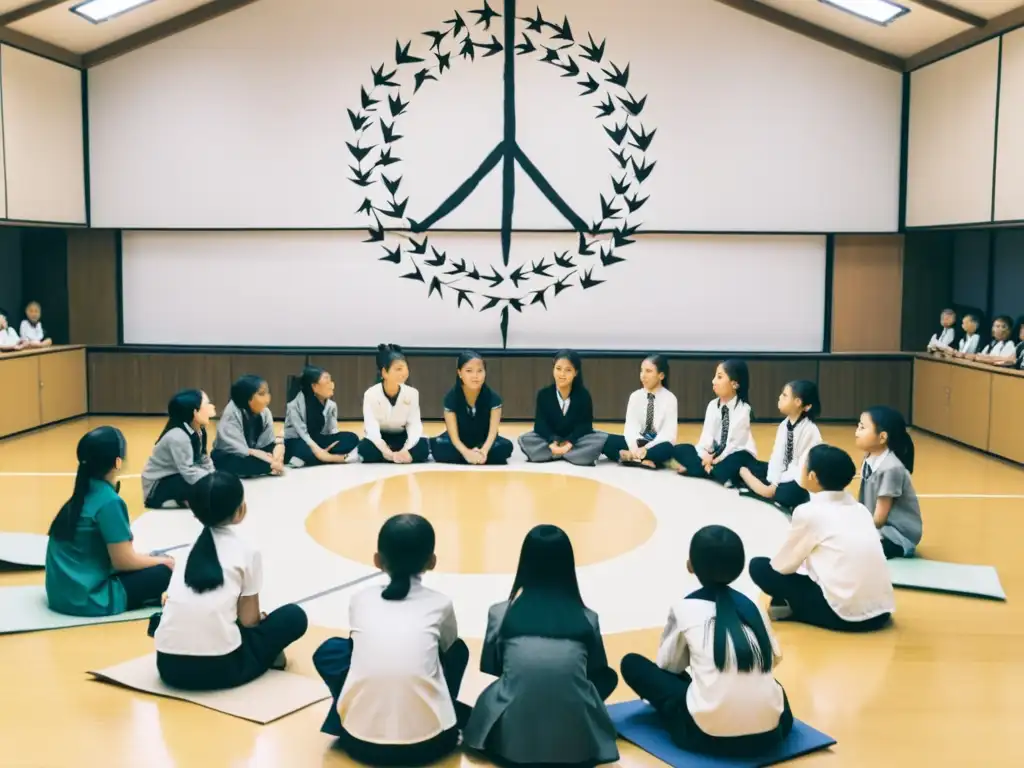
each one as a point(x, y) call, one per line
point(32, 328)
point(10, 341)
point(1002, 348)
point(563, 425)
point(311, 435)
point(945, 336)
point(652, 420)
point(246, 445)
point(971, 340)
point(712, 684)
point(1018, 334)
point(833, 538)
point(179, 459)
point(92, 568)
point(211, 634)
point(392, 427)
point(472, 415)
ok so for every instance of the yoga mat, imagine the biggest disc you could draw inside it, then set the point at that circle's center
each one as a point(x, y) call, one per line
point(952, 578)
point(267, 698)
point(23, 550)
point(637, 722)
point(24, 609)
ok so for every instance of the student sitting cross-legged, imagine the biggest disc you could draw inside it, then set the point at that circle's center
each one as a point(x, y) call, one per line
point(391, 414)
point(712, 683)
point(833, 538)
point(92, 569)
point(179, 459)
point(395, 680)
point(652, 420)
point(246, 445)
point(563, 426)
point(545, 646)
point(211, 634)
point(311, 435)
point(472, 415)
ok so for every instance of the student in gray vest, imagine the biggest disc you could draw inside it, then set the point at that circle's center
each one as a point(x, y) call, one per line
point(179, 459)
point(311, 433)
point(246, 445)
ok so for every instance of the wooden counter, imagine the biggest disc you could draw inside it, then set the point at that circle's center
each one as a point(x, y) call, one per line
point(41, 386)
point(975, 404)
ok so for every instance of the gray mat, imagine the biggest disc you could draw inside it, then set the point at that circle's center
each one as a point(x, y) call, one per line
point(952, 578)
point(23, 550)
point(24, 609)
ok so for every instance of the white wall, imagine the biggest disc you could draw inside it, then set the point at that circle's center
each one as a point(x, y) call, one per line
point(1009, 202)
point(43, 155)
point(242, 122)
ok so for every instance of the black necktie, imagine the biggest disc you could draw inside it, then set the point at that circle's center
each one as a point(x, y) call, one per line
point(724, 437)
point(865, 473)
point(788, 459)
point(649, 423)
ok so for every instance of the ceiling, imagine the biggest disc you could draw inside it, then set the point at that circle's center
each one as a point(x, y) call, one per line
point(932, 29)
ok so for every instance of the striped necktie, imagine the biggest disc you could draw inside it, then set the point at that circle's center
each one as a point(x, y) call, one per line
point(788, 459)
point(724, 437)
point(649, 423)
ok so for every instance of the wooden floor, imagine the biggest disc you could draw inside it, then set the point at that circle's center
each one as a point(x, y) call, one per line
point(944, 687)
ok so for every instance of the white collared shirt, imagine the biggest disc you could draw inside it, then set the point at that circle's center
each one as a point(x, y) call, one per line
point(9, 337)
point(31, 332)
point(942, 340)
point(874, 461)
point(379, 415)
point(666, 417)
point(999, 348)
point(395, 692)
point(563, 402)
point(805, 436)
point(740, 438)
point(834, 536)
point(969, 344)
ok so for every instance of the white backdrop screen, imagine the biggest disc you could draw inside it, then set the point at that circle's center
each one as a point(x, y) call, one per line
point(322, 289)
point(733, 123)
point(1009, 202)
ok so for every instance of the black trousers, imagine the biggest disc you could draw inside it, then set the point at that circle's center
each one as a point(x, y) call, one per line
point(666, 692)
point(297, 448)
point(446, 453)
point(806, 599)
point(370, 454)
point(171, 488)
point(725, 471)
point(146, 586)
point(261, 645)
point(789, 494)
point(660, 454)
point(242, 466)
point(332, 661)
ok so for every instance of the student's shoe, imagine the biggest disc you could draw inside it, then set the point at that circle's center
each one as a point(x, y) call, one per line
point(779, 610)
point(172, 504)
point(280, 662)
point(296, 463)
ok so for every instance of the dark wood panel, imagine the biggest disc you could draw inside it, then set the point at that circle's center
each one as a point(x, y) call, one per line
point(275, 369)
point(120, 383)
point(44, 278)
point(353, 375)
point(92, 286)
point(610, 381)
point(927, 285)
point(768, 377)
point(849, 386)
point(521, 377)
point(690, 380)
point(433, 377)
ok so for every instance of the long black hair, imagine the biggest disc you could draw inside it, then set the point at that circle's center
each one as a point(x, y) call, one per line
point(737, 371)
point(572, 357)
point(807, 393)
point(98, 452)
point(215, 500)
point(405, 545)
point(660, 363)
point(181, 412)
point(717, 559)
point(388, 355)
point(242, 392)
point(891, 421)
point(483, 400)
point(303, 385)
point(545, 597)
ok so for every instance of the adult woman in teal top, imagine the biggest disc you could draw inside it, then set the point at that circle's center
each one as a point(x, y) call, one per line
point(92, 568)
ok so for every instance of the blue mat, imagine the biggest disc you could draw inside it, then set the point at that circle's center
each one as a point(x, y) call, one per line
point(638, 723)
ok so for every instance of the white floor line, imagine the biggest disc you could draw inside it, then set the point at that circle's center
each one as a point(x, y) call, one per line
point(970, 495)
point(57, 474)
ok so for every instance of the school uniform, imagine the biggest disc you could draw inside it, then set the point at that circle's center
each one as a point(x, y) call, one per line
point(474, 425)
point(178, 461)
point(33, 333)
point(9, 337)
point(200, 646)
point(719, 712)
point(308, 423)
point(80, 578)
point(885, 476)
point(793, 441)
point(846, 585)
point(395, 680)
point(547, 705)
point(942, 339)
point(652, 420)
point(392, 423)
point(560, 419)
point(237, 434)
point(968, 345)
point(999, 348)
point(726, 436)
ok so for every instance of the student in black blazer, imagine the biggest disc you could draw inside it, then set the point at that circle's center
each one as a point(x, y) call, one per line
point(563, 425)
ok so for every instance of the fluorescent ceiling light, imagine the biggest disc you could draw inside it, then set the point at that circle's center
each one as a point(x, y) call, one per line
point(880, 12)
point(98, 11)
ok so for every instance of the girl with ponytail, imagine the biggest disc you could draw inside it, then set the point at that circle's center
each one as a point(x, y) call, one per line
point(729, 703)
point(211, 634)
point(403, 658)
point(391, 414)
point(92, 569)
point(246, 445)
point(179, 459)
point(886, 488)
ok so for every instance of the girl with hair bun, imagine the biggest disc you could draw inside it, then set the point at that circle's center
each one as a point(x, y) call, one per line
point(392, 428)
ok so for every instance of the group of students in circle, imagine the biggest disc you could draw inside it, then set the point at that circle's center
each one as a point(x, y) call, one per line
point(395, 680)
point(1005, 346)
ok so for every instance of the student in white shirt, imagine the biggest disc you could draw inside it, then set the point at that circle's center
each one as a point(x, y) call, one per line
point(945, 337)
point(652, 420)
point(1002, 348)
point(32, 332)
point(833, 539)
point(712, 684)
point(393, 430)
point(396, 679)
point(726, 443)
point(10, 341)
point(212, 634)
point(179, 459)
point(967, 345)
point(778, 480)
point(246, 445)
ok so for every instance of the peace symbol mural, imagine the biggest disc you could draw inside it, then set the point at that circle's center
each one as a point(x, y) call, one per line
point(401, 228)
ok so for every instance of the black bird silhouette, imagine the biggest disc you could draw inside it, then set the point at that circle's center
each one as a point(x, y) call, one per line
point(606, 109)
point(526, 46)
point(571, 70)
point(563, 284)
point(395, 256)
point(620, 237)
point(358, 121)
point(621, 187)
point(538, 297)
point(541, 269)
point(563, 32)
point(643, 170)
point(620, 156)
point(365, 99)
point(396, 209)
point(435, 285)
point(608, 211)
point(359, 153)
point(402, 55)
point(485, 15)
point(386, 159)
point(618, 133)
point(366, 207)
point(444, 61)
point(419, 248)
point(473, 274)
point(457, 24)
point(361, 178)
point(380, 79)
point(388, 133)
point(376, 234)
point(415, 274)
point(391, 186)
point(436, 37)
point(396, 105)
point(550, 55)
point(595, 228)
point(463, 297)
point(616, 76)
point(593, 52)
point(516, 304)
point(587, 281)
point(458, 267)
point(494, 278)
point(590, 85)
point(492, 301)
point(438, 260)
point(421, 77)
point(610, 258)
point(634, 203)
point(564, 261)
point(633, 106)
point(467, 50)
point(518, 277)
point(585, 248)
point(642, 140)
point(537, 24)
point(493, 48)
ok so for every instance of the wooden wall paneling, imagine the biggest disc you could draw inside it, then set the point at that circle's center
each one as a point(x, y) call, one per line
point(847, 387)
point(927, 285)
point(691, 383)
point(352, 375)
point(521, 377)
point(1006, 419)
point(969, 406)
point(837, 390)
point(768, 377)
point(92, 286)
point(143, 383)
point(62, 385)
point(275, 369)
point(19, 383)
point(610, 381)
point(867, 293)
point(931, 396)
point(432, 377)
